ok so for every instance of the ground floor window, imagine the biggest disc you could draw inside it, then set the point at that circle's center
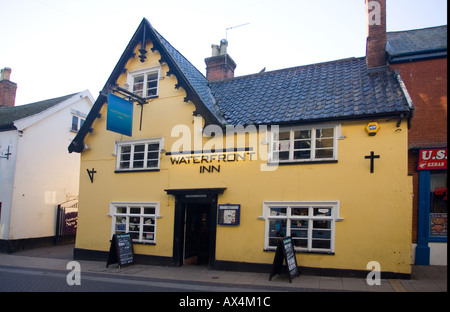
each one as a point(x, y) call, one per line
point(438, 204)
point(310, 224)
point(138, 219)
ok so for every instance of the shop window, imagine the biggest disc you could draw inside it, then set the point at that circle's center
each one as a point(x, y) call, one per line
point(438, 204)
point(144, 83)
point(138, 155)
point(310, 224)
point(138, 219)
point(304, 144)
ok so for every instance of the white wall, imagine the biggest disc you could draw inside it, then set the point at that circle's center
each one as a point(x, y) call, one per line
point(46, 174)
point(7, 170)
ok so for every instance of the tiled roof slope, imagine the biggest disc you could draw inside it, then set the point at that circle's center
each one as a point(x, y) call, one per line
point(197, 80)
point(10, 114)
point(417, 41)
point(337, 90)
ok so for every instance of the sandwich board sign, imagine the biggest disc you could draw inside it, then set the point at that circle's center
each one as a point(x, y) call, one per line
point(285, 253)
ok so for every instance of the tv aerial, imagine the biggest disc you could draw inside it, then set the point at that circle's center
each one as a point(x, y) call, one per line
point(229, 28)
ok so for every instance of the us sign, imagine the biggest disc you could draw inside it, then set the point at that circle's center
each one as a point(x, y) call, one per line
point(432, 159)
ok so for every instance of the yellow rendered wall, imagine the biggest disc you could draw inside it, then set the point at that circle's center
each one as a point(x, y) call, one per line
point(375, 208)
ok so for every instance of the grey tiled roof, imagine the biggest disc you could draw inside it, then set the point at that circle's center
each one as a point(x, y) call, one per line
point(197, 80)
point(337, 90)
point(10, 114)
point(417, 41)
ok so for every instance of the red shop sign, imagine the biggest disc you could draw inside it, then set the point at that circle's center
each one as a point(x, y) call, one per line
point(432, 159)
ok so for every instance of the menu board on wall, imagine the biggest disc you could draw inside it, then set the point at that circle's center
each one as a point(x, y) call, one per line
point(229, 214)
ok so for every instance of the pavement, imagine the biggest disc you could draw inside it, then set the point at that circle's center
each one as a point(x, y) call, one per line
point(56, 258)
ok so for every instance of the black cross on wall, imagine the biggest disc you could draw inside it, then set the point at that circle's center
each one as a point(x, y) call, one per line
point(372, 156)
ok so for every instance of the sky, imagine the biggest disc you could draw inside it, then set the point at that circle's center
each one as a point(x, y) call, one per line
point(60, 47)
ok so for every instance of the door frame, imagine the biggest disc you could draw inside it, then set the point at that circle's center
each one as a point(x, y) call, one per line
point(194, 196)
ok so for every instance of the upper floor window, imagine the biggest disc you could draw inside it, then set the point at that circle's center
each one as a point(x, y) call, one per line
point(304, 144)
point(138, 155)
point(77, 122)
point(144, 83)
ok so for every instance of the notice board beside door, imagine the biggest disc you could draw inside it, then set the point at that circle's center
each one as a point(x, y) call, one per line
point(121, 250)
point(285, 253)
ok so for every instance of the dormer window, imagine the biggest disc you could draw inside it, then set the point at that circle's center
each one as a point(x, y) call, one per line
point(144, 83)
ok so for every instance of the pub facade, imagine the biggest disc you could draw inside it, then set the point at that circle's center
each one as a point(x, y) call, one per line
point(217, 169)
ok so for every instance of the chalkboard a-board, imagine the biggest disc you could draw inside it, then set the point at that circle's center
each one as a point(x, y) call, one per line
point(121, 250)
point(285, 252)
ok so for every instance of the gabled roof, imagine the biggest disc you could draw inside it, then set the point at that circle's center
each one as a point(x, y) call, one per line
point(10, 114)
point(417, 44)
point(189, 78)
point(337, 90)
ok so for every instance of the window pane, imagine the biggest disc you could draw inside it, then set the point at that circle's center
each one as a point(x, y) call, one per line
point(121, 210)
point(322, 224)
point(299, 211)
point(277, 228)
point(301, 243)
point(324, 143)
point(302, 134)
point(153, 155)
point(302, 154)
point(278, 211)
point(153, 147)
point(152, 163)
point(135, 210)
point(322, 212)
point(152, 76)
point(285, 135)
point(322, 244)
point(74, 123)
point(139, 148)
point(302, 144)
point(138, 85)
point(325, 234)
point(149, 210)
point(325, 133)
point(324, 153)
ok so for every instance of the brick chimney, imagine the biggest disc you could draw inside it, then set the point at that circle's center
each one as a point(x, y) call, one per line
point(376, 35)
point(220, 65)
point(7, 89)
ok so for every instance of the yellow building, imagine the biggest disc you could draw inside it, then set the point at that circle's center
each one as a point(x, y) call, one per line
point(217, 169)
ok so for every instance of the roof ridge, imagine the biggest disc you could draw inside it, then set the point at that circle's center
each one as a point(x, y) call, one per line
point(289, 68)
point(417, 29)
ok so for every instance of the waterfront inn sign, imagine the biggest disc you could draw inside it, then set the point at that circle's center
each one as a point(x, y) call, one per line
point(210, 155)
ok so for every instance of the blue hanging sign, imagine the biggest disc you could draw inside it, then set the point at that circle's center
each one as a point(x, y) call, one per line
point(119, 116)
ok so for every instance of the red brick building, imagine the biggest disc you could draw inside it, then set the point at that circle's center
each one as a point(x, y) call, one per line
point(420, 57)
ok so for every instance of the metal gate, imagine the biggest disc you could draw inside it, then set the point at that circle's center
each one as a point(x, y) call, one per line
point(66, 222)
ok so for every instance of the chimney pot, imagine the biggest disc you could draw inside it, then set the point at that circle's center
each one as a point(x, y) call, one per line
point(220, 65)
point(5, 73)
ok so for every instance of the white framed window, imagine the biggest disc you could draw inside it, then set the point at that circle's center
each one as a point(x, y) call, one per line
point(144, 83)
point(310, 224)
point(138, 155)
point(136, 218)
point(77, 122)
point(304, 144)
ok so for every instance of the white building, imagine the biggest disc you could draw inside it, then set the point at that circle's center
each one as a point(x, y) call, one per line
point(36, 171)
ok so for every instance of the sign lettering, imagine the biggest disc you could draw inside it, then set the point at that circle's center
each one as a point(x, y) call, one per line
point(432, 159)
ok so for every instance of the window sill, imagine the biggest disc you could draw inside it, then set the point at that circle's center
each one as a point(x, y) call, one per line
point(136, 170)
point(144, 243)
point(302, 162)
point(331, 253)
